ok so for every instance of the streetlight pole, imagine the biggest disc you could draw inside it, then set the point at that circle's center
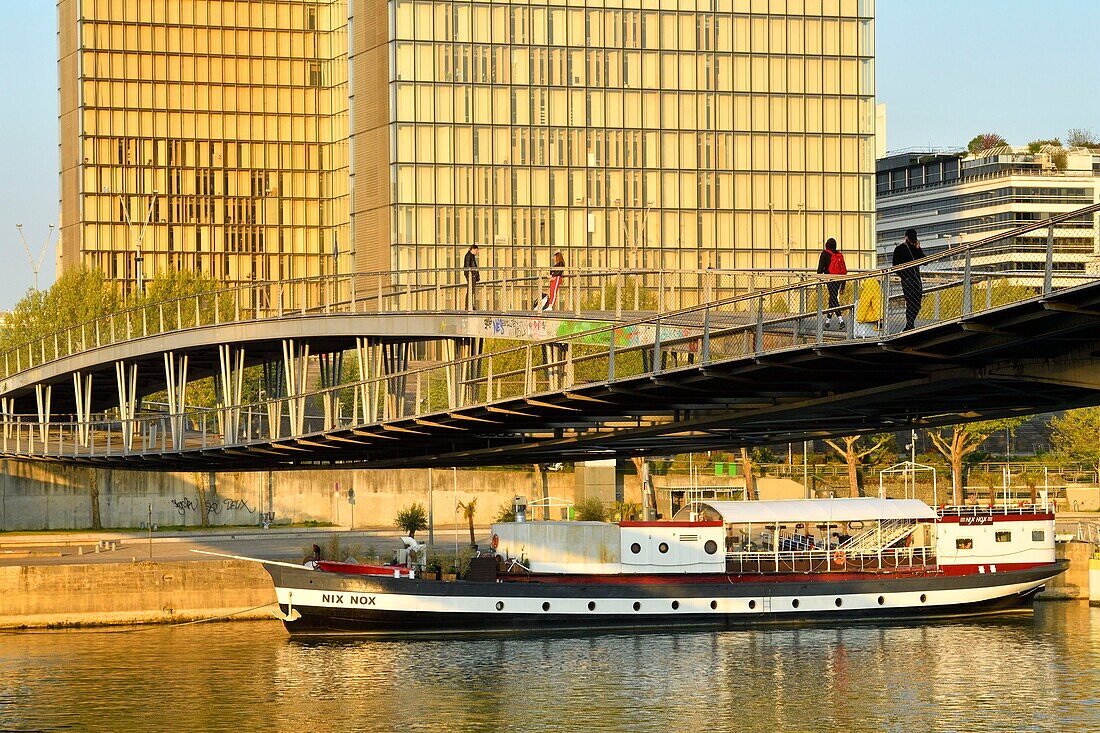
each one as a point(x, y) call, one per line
point(36, 265)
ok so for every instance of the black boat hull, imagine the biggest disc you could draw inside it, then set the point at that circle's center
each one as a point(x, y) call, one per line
point(335, 603)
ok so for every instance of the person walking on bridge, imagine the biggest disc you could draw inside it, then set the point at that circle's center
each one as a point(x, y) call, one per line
point(912, 289)
point(557, 272)
point(831, 262)
point(470, 271)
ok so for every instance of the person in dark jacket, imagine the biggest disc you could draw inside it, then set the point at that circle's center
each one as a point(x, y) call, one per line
point(470, 272)
point(831, 261)
point(912, 289)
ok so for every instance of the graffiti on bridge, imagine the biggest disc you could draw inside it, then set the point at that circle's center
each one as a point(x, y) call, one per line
point(213, 506)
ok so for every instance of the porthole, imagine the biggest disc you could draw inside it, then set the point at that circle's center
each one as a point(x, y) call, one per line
point(662, 548)
point(881, 600)
point(923, 598)
point(675, 605)
point(752, 605)
point(710, 547)
point(637, 606)
point(591, 605)
point(500, 605)
point(839, 603)
point(546, 605)
point(794, 603)
point(635, 548)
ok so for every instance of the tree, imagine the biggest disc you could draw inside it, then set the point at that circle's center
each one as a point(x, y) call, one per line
point(750, 479)
point(966, 439)
point(412, 518)
point(854, 455)
point(1082, 138)
point(985, 141)
point(1036, 146)
point(1077, 435)
point(469, 509)
point(77, 296)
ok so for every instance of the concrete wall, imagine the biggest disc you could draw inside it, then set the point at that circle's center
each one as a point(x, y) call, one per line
point(36, 496)
point(144, 592)
point(1074, 583)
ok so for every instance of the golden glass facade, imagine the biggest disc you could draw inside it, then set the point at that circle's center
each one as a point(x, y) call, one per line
point(659, 133)
point(204, 135)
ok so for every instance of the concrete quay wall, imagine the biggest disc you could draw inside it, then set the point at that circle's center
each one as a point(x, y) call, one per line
point(1072, 585)
point(132, 593)
point(36, 496)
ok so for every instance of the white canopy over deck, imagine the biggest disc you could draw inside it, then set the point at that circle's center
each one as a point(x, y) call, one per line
point(830, 511)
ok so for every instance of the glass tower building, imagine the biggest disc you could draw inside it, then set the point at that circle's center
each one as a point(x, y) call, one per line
point(204, 135)
point(652, 133)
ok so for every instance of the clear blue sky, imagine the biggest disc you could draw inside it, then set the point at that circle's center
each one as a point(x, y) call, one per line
point(947, 69)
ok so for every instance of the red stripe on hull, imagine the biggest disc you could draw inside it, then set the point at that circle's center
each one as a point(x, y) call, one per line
point(1002, 567)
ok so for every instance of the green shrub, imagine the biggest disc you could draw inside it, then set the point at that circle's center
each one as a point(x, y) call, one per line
point(412, 518)
point(591, 510)
point(506, 513)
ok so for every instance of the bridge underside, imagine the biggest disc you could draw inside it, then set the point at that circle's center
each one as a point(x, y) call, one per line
point(1037, 356)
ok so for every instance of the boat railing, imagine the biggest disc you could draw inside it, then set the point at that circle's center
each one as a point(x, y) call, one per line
point(833, 560)
point(977, 510)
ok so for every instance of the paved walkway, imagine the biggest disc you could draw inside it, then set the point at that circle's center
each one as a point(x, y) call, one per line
point(288, 544)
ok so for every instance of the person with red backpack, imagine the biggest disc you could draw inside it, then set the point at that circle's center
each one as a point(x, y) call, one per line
point(831, 262)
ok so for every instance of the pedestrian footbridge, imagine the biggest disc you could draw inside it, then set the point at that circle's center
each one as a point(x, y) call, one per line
point(633, 363)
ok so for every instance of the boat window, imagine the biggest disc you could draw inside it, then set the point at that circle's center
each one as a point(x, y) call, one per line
point(500, 605)
point(546, 606)
point(714, 605)
point(637, 606)
point(591, 605)
point(923, 598)
point(752, 604)
point(1038, 535)
point(662, 548)
point(881, 600)
point(839, 603)
point(675, 605)
point(1004, 536)
point(635, 548)
point(964, 543)
point(794, 603)
point(710, 547)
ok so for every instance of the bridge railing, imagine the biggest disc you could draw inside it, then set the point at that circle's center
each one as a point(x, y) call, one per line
point(500, 290)
point(750, 323)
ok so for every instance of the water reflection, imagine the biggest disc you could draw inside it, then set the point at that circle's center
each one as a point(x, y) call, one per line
point(1031, 672)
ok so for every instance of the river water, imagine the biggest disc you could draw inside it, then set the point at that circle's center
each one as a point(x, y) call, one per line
point(1027, 672)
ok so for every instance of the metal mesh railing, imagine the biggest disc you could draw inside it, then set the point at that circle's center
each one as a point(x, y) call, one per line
point(501, 290)
point(794, 314)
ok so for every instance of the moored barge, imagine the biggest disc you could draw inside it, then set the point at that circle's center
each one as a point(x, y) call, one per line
point(721, 564)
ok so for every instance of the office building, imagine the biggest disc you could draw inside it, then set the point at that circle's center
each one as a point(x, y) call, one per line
point(952, 198)
point(690, 134)
point(204, 135)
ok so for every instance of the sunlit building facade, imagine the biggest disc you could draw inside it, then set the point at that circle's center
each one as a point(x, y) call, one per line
point(657, 133)
point(204, 135)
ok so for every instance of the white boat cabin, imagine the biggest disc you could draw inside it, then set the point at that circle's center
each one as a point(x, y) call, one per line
point(791, 536)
